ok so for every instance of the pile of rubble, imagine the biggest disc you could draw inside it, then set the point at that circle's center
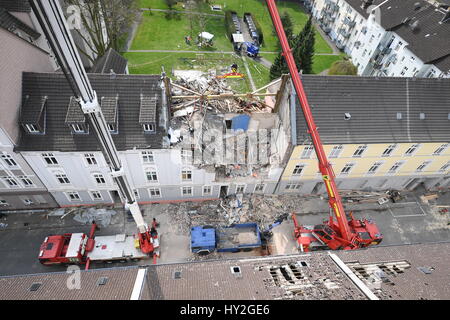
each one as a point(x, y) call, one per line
point(234, 209)
point(207, 84)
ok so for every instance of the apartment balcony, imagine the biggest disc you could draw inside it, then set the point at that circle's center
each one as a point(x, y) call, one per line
point(376, 63)
point(340, 45)
point(331, 6)
point(344, 33)
point(348, 22)
point(384, 50)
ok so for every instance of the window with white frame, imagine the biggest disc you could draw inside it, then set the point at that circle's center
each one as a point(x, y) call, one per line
point(186, 156)
point(405, 69)
point(27, 201)
point(73, 196)
point(292, 186)
point(240, 188)
point(49, 158)
point(147, 157)
point(336, 151)
point(389, 150)
point(359, 151)
point(148, 127)
point(307, 151)
point(423, 166)
point(136, 194)
point(396, 166)
point(90, 159)
point(32, 128)
point(186, 175)
point(412, 149)
point(111, 128)
point(398, 46)
point(10, 182)
point(260, 187)
point(62, 178)
point(207, 190)
point(298, 169)
point(10, 162)
point(347, 168)
point(439, 150)
point(99, 179)
point(96, 195)
point(374, 167)
point(26, 181)
point(78, 128)
point(186, 191)
point(151, 175)
point(154, 192)
point(445, 167)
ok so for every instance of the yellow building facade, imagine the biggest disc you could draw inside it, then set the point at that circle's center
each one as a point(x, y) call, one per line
point(370, 167)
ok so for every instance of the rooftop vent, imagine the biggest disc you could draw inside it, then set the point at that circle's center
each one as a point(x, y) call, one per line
point(415, 26)
point(102, 281)
point(236, 270)
point(347, 116)
point(422, 116)
point(417, 6)
point(177, 274)
point(35, 286)
point(399, 116)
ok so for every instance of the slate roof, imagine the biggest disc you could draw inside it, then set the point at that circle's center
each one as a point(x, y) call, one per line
point(109, 105)
point(111, 60)
point(147, 112)
point(32, 109)
point(74, 113)
point(53, 286)
point(15, 5)
point(429, 33)
point(58, 136)
point(11, 23)
point(373, 104)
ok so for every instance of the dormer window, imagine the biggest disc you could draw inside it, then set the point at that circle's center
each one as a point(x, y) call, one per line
point(149, 128)
point(110, 111)
point(32, 114)
point(147, 113)
point(75, 117)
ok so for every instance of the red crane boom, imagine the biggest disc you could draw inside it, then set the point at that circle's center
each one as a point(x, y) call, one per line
point(348, 233)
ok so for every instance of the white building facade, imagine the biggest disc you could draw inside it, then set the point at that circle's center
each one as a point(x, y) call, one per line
point(390, 37)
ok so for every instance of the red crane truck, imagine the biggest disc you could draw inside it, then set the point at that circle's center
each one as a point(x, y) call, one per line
point(340, 233)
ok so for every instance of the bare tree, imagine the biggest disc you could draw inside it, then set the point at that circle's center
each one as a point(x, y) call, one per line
point(105, 23)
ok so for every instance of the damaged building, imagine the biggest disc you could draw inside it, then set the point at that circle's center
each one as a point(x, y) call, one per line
point(163, 153)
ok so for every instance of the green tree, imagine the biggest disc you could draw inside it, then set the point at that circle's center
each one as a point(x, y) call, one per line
point(342, 68)
point(302, 50)
point(171, 3)
point(288, 27)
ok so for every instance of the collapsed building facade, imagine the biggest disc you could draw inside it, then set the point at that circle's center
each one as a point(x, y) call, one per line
point(170, 152)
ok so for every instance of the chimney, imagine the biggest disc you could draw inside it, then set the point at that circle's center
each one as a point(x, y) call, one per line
point(366, 4)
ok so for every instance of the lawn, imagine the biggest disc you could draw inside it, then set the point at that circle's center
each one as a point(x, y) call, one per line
point(216, 25)
point(156, 32)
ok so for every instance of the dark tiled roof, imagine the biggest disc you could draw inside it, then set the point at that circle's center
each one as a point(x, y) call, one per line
point(111, 60)
point(373, 104)
point(418, 23)
point(147, 113)
point(58, 135)
point(53, 286)
point(32, 109)
point(74, 113)
point(109, 107)
point(11, 23)
point(15, 5)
